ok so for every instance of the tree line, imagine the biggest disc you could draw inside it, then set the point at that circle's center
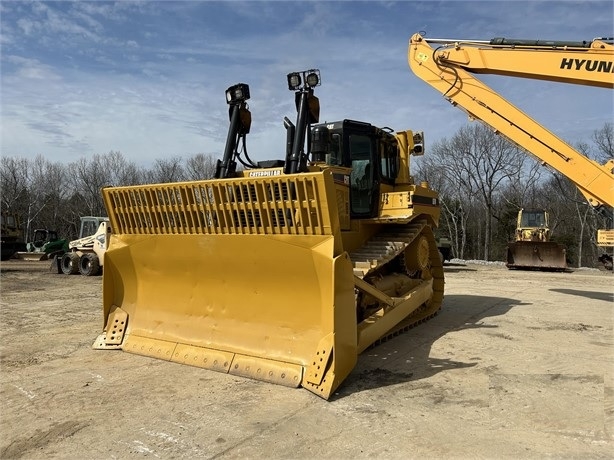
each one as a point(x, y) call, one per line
point(482, 178)
point(52, 195)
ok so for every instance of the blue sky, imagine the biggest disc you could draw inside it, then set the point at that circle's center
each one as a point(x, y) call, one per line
point(148, 78)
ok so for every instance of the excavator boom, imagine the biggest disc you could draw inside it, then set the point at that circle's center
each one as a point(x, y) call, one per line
point(580, 63)
point(451, 68)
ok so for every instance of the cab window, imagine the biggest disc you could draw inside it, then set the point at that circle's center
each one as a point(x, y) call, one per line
point(335, 155)
point(533, 219)
point(88, 228)
point(389, 166)
point(361, 177)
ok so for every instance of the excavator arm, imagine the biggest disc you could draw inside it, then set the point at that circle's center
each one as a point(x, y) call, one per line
point(451, 68)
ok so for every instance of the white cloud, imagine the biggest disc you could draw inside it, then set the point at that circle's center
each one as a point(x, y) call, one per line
point(30, 69)
point(27, 25)
point(148, 78)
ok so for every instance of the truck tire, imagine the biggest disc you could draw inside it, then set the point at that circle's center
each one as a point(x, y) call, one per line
point(70, 263)
point(89, 265)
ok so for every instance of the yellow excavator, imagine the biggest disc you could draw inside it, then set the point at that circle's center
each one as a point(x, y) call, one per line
point(283, 270)
point(532, 248)
point(451, 66)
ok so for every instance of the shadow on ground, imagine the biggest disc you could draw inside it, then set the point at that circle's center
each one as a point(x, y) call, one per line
point(409, 352)
point(457, 268)
point(606, 296)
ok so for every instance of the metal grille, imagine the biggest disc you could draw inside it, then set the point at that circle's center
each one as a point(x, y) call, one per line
point(280, 205)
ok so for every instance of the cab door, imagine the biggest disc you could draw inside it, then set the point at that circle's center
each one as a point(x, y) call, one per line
point(364, 178)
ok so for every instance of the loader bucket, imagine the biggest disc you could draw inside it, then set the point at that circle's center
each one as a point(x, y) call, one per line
point(32, 256)
point(242, 276)
point(536, 255)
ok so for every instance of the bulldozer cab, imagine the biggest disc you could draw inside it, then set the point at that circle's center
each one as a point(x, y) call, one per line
point(533, 219)
point(532, 225)
point(9, 222)
point(372, 155)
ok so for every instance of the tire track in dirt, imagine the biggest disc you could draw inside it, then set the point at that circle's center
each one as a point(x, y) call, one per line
point(57, 432)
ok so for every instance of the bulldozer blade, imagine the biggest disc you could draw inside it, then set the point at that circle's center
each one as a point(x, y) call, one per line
point(32, 256)
point(536, 255)
point(246, 277)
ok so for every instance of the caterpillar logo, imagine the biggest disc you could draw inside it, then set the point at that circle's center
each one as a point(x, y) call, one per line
point(269, 173)
point(587, 64)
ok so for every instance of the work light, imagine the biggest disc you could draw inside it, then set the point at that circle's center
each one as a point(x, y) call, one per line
point(294, 81)
point(310, 77)
point(237, 93)
point(313, 78)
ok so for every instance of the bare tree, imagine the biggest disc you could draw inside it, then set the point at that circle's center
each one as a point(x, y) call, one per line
point(119, 170)
point(14, 182)
point(604, 139)
point(200, 167)
point(521, 190)
point(47, 189)
point(167, 170)
point(479, 162)
point(453, 220)
point(567, 215)
point(482, 179)
point(87, 177)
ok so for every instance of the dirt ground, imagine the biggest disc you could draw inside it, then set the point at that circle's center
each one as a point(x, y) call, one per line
point(516, 365)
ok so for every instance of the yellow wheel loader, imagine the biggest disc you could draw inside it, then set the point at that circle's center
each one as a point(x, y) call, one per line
point(286, 270)
point(532, 248)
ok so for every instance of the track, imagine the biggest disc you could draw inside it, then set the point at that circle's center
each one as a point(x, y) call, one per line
point(389, 247)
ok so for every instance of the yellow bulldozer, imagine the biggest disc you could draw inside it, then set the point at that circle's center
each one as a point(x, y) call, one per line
point(532, 248)
point(283, 270)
